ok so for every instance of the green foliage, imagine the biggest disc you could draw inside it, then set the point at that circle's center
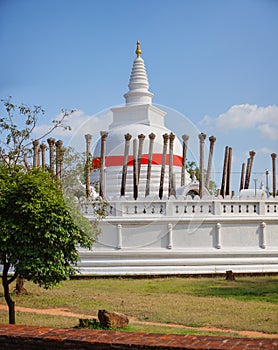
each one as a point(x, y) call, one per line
point(88, 228)
point(91, 324)
point(73, 175)
point(75, 166)
point(39, 237)
point(74, 189)
point(40, 228)
point(33, 208)
point(191, 167)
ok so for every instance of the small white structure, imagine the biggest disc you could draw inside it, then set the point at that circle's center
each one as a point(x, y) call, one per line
point(154, 225)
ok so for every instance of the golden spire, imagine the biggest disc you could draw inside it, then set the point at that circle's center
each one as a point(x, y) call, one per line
point(138, 49)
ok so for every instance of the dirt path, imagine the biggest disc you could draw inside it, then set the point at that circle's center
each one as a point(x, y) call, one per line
point(133, 320)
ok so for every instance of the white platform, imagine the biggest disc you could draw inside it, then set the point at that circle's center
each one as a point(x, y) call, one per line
point(185, 236)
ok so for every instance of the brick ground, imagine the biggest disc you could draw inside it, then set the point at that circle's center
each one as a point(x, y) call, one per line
point(13, 337)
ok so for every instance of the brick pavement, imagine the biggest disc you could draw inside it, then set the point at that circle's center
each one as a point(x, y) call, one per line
point(17, 337)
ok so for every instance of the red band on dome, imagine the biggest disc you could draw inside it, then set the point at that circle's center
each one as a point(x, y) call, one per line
point(119, 160)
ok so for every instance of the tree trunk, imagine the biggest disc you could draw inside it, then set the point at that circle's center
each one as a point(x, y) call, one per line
point(6, 282)
point(19, 287)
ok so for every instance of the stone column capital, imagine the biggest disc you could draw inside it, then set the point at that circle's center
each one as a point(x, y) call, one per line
point(128, 137)
point(59, 143)
point(51, 141)
point(43, 146)
point(165, 138)
point(104, 135)
point(152, 136)
point(212, 139)
point(35, 143)
point(252, 154)
point(185, 138)
point(172, 137)
point(273, 155)
point(88, 137)
point(141, 137)
point(202, 137)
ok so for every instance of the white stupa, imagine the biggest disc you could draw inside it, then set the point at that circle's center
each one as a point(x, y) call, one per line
point(138, 117)
point(173, 233)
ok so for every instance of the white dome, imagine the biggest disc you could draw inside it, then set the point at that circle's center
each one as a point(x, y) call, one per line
point(115, 143)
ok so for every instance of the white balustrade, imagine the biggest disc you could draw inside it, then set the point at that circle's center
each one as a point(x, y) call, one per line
point(183, 208)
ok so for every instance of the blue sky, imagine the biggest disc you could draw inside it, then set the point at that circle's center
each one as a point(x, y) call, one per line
point(213, 61)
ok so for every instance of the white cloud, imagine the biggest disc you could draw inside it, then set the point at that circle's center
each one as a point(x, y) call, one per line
point(268, 131)
point(246, 116)
point(207, 121)
point(264, 150)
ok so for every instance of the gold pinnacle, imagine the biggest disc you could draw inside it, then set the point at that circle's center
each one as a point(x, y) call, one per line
point(138, 49)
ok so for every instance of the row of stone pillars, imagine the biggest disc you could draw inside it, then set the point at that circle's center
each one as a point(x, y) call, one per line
point(55, 161)
point(246, 171)
point(137, 157)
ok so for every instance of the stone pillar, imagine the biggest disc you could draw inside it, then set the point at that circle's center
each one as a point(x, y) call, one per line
point(273, 156)
point(229, 171)
point(184, 151)
point(51, 142)
point(224, 174)
point(35, 153)
point(242, 177)
point(39, 157)
point(88, 139)
point(249, 168)
point(151, 137)
point(212, 140)
point(170, 236)
point(262, 238)
point(162, 175)
point(135, 169)
point(119, 234)
point(246, 174)
point(218, 236)
point(141, 138)
point(124, 173)
point(103, 135)
point(43, 149)
point(266, 182)
point(202, 138)
point(59, 158)
point(172, 190)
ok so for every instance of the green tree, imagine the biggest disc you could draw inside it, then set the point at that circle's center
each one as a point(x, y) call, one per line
point(73, 182)
point(39, 237)
point(40, 229)
point(192, 166)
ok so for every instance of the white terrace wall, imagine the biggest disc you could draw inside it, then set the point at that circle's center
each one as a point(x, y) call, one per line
point(185, 236)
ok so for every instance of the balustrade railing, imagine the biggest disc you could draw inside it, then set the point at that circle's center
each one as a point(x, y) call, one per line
point(183, 208)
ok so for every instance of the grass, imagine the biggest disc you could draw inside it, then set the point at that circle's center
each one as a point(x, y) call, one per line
point(249, 303)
